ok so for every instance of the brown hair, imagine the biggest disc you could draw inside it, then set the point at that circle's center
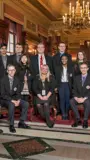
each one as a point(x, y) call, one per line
point(84, 55)
point(28, 59)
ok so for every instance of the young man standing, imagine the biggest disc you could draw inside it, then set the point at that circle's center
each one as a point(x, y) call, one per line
point(40, 59)
point(10, 97)
point(4, 59)
point(81, 88)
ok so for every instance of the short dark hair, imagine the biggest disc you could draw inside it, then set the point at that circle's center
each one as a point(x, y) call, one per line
point(3, 45)
point(62, 43)
point(83, 64)
point(10, 65)
point(41, 43)
point(19, 44)
point(64, 55)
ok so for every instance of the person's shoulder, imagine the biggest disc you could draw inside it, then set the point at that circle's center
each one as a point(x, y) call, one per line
point(56, 55)
point(3, 79)
point(36, 78)
point(49, 56)
point(68, 54)
point(33, 57)
point(77, 77)
point(52, 76)
point(16, 78)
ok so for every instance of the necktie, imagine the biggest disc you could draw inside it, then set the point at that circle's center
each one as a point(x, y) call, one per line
point(41, 60)
point(11, 83)
point(83, 80)
point(18, 58)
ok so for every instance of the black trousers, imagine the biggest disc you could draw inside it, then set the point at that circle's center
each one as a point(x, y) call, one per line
point(86, 105)
point(11, 108)
point(44, 110)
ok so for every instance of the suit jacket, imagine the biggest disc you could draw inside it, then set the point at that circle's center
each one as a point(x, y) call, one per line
point(6, 93)
point(35, 65)
point(58, 75)
point(3, 71)
point(49, 86)
point(15, 63)
point(57, 60)
point(76, 68)
point(78, 89)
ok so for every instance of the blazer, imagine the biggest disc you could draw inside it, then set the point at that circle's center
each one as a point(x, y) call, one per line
point(3, 71)
point(35, 65)
point(25, 70)
point(76, 69)
point(49, 85)
point(57, 60)
point(15, 63)
point(8, 95)
point(78, 89)
point(58, 76)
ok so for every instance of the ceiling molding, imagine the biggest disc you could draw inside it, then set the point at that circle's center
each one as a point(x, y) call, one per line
point(43, 9)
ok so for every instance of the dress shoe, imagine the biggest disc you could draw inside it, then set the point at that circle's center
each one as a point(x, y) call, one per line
point(12, 129)
point(23, 125)
point(1, 131)
point(76, 123)
point(50, 124)
point(85, 124)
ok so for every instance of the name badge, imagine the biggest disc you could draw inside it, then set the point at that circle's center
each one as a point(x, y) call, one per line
point(43, 92)
point(15, 89)
point(88, 87)
point(70, 74)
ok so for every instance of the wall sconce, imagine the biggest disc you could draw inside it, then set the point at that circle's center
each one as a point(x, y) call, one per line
point(88, 43)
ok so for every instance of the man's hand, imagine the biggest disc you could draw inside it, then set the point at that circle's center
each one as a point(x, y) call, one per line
point(16, 103)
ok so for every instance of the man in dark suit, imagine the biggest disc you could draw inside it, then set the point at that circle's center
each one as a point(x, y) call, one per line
point(81, 90)
point(4, 59)
point(40, 59)
point(10, 97)
point(17, 55)
point(57, 57)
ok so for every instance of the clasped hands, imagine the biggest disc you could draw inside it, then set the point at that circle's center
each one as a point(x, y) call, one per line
point(16, 102)
point(44, 97)
point(80, 100)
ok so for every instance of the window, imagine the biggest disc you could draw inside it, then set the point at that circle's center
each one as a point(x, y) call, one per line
point(11, 38)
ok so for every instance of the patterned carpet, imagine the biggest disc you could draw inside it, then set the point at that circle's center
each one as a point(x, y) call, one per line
point(26, 147)
point(42, 143)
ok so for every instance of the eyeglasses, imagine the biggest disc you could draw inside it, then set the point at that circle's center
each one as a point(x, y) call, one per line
point(11, 70)
point(83, 67)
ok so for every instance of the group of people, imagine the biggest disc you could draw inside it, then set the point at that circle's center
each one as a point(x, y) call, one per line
point(44, 76)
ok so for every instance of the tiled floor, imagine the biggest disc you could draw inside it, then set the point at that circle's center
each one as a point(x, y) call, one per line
point(69, 144)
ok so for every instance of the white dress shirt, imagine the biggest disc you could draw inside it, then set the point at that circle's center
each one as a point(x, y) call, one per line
point(44, 60)
point(64, 77)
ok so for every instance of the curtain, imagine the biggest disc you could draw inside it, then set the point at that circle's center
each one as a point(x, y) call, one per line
point(19, 33)
point(4, 31)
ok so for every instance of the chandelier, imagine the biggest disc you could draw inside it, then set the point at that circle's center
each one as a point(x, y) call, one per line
point(78, 16)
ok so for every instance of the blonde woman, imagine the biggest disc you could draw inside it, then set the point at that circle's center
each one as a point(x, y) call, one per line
point(43, 87)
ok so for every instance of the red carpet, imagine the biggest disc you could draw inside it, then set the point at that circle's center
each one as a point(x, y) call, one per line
point(34, 118)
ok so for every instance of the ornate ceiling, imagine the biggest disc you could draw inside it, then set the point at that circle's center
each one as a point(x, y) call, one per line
point(53, 10)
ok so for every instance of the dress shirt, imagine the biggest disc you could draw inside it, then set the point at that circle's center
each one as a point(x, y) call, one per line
point(4, 59)
point(64, 77)
point(44, 60)
point(11, 82)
